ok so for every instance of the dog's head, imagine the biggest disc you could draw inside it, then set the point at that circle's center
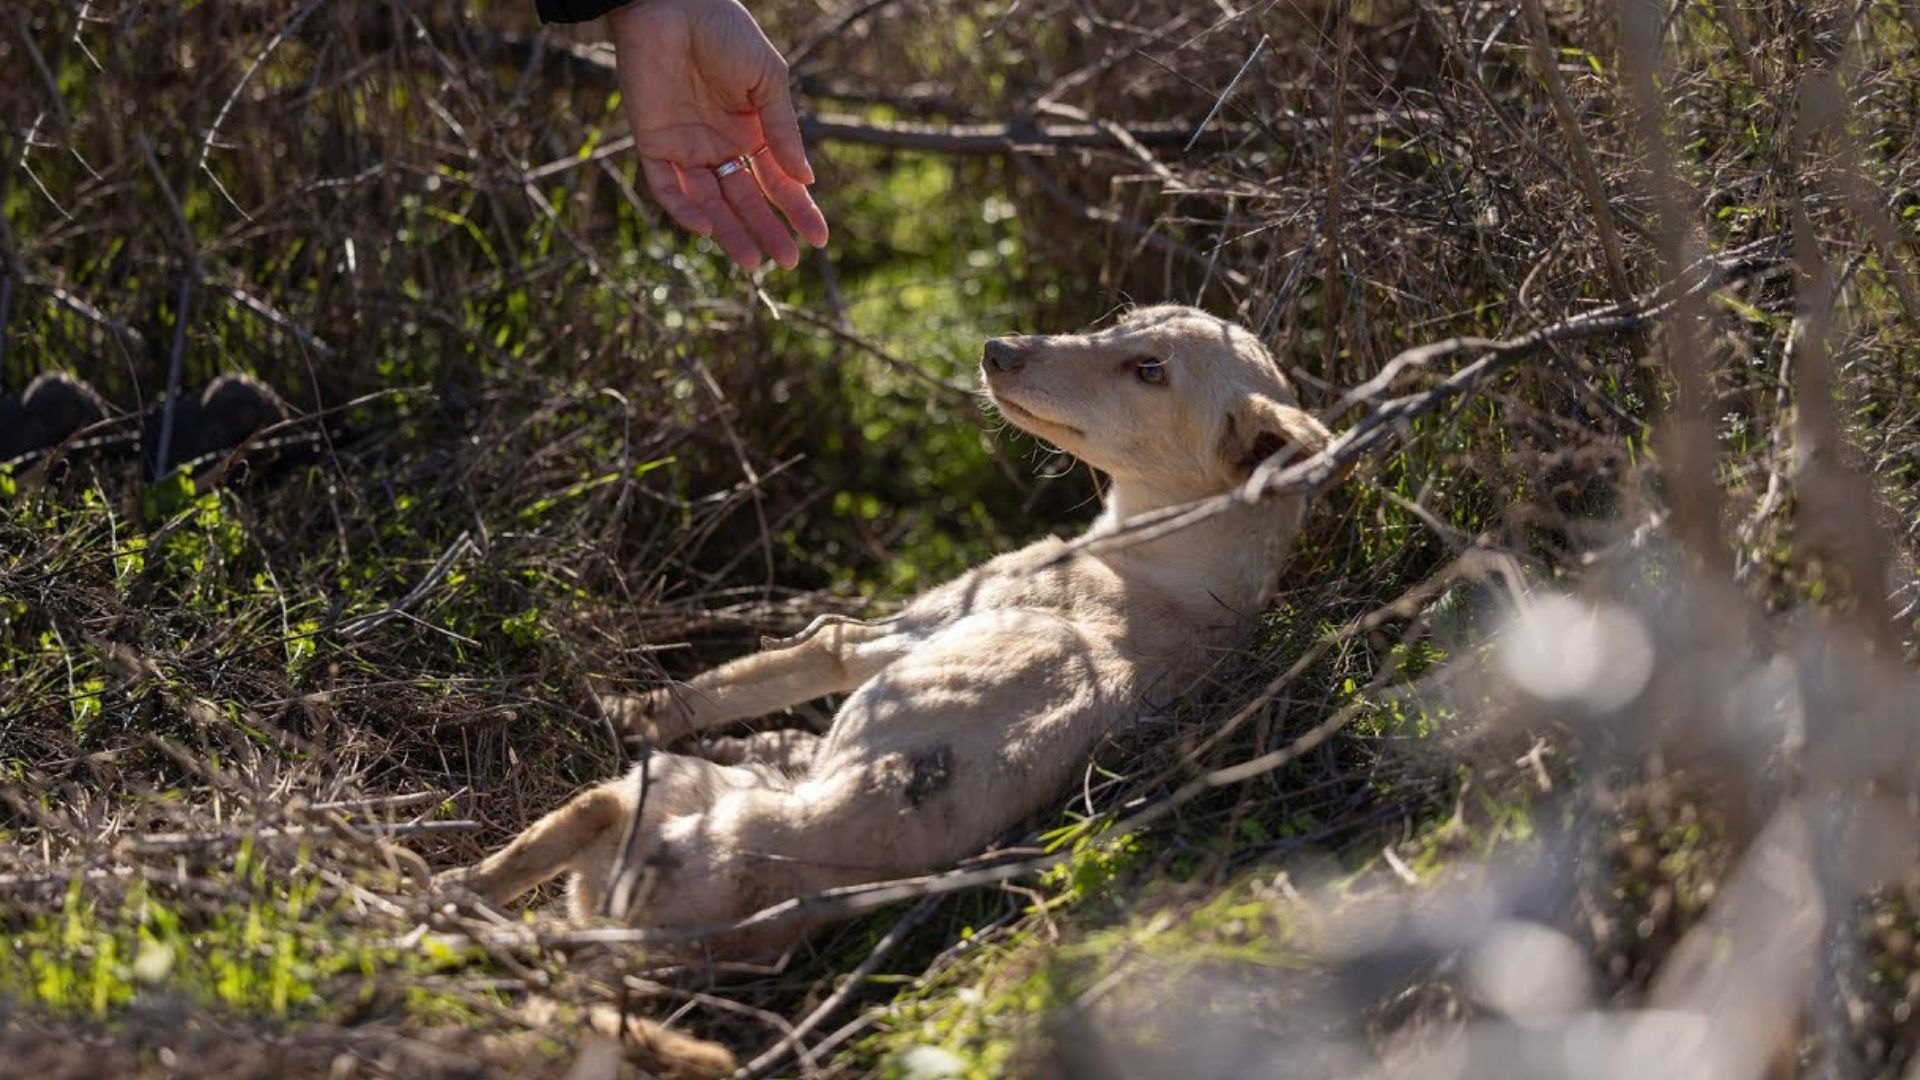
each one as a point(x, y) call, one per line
point(1169, 397)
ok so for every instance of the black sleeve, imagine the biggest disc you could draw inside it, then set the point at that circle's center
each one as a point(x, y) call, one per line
point(571, 11)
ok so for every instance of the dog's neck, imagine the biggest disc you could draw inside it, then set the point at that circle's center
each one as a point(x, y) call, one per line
point(1227, 563)
point(1130, 498)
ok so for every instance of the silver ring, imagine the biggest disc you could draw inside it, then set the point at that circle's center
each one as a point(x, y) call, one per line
point(729, 167)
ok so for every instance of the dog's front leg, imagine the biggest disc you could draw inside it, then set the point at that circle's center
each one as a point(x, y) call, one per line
point(832, 656)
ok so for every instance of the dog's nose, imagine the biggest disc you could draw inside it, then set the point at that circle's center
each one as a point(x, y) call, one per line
point(1005, 354)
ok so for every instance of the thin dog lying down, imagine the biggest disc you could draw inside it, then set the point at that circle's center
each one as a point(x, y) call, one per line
point(978, 704)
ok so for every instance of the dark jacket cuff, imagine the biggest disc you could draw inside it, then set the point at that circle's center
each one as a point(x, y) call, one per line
point(572, 11)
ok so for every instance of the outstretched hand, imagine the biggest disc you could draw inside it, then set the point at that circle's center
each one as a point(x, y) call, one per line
point(703, 86)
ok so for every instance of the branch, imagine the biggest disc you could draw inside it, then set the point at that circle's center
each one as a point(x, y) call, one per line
point(1018, 135)
point(1147, 235)
point(778, 1052)
point(358, 627)
point(1374, 431)
point(1591, 185)
point(873, 349)
point(1027, 135)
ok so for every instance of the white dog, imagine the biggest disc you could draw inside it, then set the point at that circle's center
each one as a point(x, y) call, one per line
point(978, 704)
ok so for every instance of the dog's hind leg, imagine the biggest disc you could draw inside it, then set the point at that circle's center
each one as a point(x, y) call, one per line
point(828, 658)
point(549, 846)
point(584, 836)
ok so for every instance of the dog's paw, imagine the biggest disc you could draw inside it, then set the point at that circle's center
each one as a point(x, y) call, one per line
point(661, 1050)
point(654, 717)
point(460, 877)
point(464, 884)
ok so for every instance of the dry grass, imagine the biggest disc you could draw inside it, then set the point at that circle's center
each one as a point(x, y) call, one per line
point(540, 440)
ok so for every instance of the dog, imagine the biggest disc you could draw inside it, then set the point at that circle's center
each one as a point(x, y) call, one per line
point(978, 704)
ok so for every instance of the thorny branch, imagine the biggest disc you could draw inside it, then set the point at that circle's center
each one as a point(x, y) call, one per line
point(1388, 420)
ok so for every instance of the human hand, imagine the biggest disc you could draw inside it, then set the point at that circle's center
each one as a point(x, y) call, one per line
point(702, 86)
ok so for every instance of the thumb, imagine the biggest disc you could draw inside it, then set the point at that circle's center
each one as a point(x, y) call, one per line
point(781, 127)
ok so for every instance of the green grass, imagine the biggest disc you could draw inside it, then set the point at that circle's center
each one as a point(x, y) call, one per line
point(275, 951)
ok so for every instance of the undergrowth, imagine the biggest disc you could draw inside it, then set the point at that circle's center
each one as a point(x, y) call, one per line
point(541, 444)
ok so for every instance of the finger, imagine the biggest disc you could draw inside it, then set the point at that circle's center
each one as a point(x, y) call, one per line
point(732, 236)
point(782, 128)
point(664, 182)
point(793, 199)
point(744, 195)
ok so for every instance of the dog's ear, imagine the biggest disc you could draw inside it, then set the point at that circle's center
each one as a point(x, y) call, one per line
point(1260, 427)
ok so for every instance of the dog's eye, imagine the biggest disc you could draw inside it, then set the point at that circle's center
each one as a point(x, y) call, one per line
point(1151, 370)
